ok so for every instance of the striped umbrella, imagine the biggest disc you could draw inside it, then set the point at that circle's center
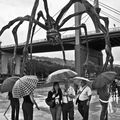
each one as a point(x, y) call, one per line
point(24, 86)
point(78, 80)
point(61, 75)
point(8, 84)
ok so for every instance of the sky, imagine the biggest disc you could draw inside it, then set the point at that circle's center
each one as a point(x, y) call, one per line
point(10, 9)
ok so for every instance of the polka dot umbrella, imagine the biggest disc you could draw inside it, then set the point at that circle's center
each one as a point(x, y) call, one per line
point(24, 86)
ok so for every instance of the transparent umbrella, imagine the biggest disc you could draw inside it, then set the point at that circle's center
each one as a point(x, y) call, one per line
point(61, 75)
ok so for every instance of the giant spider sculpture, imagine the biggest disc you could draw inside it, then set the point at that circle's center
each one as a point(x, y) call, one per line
point(54, 27)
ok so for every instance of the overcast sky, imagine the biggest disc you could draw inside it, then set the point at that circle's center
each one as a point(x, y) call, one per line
point(10, 9)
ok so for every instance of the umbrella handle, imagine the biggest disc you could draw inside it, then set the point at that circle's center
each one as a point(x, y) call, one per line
point(6, 118)
point(6, 110)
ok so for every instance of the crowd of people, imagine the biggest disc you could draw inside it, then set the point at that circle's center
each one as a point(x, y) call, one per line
point(63, 100)
point(82, 97)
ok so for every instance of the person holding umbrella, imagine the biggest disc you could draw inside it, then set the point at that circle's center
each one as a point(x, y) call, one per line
point(23, 88)
point(56, 95)
point(27, 106)
point(68, 105)
point(104, 95)
point(66, 96)
point(15, 105)
point(102, 84)
point(14, 102)
point(83, 98)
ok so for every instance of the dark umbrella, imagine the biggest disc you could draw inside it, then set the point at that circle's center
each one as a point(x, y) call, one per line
point(8, 84)
point(104, 79)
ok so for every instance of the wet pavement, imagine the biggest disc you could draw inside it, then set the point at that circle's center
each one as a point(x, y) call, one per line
point(44, 113)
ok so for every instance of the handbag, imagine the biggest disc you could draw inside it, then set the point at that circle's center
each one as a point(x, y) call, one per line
point(50, 103)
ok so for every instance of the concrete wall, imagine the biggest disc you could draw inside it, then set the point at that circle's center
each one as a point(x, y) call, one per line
point(94, 56)
point(4, 61)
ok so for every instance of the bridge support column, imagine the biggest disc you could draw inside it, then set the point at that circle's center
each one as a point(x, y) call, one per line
point(78, 7)
point(78, 66)
point(96, 6)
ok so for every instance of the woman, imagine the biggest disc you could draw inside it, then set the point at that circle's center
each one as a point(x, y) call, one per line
point(104, 95)
point(27, 106)
point(56, 95)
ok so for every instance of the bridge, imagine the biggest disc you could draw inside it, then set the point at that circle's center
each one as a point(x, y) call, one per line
point(70, 42)
point(96, 42)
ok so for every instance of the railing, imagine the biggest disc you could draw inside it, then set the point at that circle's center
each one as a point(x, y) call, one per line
point(115, 29)
point(92, 32)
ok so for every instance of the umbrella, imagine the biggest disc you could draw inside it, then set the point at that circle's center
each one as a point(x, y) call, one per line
point(24, 86)
point(77, 80)
point(8, 84)
point(104, 79)
point(61, 75)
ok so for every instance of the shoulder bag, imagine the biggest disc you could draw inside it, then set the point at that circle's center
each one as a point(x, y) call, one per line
point(77, 100)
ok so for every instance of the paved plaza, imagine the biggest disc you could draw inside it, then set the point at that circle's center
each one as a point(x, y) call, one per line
point(44, 113)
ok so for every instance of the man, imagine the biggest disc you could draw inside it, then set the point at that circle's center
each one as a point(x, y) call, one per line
point(83, 99)
point(68, 105)
point(15, 105)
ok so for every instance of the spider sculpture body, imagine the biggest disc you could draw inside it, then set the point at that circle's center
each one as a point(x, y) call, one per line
point(54, 27)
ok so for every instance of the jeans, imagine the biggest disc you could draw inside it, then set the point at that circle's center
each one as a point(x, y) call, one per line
point(83, 109)
point(56, 112)
point(15, 109)
point(68, 110)
point(104, 111)
point(27, 111)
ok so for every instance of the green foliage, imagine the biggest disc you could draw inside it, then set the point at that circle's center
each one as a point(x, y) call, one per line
point(43, 67)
